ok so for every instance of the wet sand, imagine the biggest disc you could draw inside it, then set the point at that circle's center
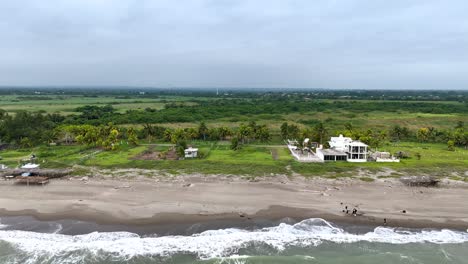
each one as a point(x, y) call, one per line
point(190, 199)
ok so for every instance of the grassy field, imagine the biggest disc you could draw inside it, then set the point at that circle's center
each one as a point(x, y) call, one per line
point(251, 161)
point(67, 104)
point(254, 160)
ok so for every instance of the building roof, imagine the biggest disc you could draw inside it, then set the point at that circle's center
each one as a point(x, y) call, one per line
point(345, 141)
point(332, 152)
point(340, 138)
point(357, 143)
point(191, 149)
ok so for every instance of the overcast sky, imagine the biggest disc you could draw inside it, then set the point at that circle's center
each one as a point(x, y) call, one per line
point(374, 44)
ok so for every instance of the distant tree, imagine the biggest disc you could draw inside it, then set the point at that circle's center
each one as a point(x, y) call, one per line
point(148, 132)
point(132, 136)
point(180, 146)
point(244, 133)
point(262, 133)
point(284, 130)
point(214, 134)
point(423, 134)
point(178, 135)
point(460, 137)
point(306, 133)
point(26, 143)
point(110, 143)
point(167, 135)
point(193, 133)
point(224, 132)
point(202, 130)
point(235, 144)
point(451, 145)
point(49, 136)
point(397, 133)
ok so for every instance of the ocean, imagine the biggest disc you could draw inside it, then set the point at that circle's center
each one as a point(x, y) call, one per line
point(27, 240)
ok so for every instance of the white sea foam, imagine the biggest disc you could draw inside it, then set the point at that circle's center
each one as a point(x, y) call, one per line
point(2, 226)
point(217, 243)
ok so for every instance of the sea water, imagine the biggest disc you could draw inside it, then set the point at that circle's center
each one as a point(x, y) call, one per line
point(308, 241)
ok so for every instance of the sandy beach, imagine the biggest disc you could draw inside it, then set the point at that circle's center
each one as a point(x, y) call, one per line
point(195, 198)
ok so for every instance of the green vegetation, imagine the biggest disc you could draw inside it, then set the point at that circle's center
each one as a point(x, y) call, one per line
point(250, 160)
point(237, 133)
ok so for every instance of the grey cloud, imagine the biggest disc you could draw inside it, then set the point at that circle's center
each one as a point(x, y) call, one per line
point(259, 43)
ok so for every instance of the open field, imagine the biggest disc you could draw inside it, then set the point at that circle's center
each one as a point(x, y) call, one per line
point(66, 105)
point(336, 118)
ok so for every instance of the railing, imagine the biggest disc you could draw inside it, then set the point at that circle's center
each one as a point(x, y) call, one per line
point(310, 157)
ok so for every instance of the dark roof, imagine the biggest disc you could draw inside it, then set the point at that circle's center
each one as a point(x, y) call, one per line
point(332, 152)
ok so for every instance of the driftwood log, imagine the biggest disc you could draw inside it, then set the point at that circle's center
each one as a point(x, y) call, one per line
point(49, 173)
point(425, 181)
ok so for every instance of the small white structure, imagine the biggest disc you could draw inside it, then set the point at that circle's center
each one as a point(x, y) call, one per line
point(3, 167)
point(30, 166)
point(383, 157)
point(356, 151)
point(191, 152)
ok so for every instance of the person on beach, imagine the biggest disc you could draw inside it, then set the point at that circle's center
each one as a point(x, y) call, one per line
point(385, 221)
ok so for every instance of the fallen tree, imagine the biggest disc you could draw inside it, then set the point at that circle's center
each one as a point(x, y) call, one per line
point(425, 181)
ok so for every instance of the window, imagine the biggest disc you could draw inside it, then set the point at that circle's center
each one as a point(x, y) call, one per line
point(342, 157)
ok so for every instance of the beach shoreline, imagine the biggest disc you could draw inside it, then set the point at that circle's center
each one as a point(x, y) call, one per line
point(191, 199)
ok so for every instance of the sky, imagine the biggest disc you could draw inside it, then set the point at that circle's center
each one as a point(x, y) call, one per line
point(347, 44)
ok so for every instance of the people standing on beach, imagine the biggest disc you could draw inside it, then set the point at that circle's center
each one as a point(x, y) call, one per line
point(385, 221)
point(354, 211)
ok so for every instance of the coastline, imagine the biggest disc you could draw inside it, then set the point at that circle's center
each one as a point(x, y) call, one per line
point(192, 199)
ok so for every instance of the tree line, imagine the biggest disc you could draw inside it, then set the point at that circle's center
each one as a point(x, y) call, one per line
point(375, 138)
point(240, 108)
point(26, 129)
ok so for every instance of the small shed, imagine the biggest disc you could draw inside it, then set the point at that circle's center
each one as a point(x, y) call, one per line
point(191, 152)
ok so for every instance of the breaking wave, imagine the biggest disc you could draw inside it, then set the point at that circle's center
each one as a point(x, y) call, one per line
point(213, 243)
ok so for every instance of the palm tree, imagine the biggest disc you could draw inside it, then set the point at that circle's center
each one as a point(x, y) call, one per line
point(202, 130)
point(321, 131)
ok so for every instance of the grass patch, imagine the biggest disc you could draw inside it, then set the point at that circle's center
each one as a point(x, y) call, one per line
point(367, 179)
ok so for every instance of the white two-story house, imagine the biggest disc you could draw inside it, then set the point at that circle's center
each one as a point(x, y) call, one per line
point(356, 151)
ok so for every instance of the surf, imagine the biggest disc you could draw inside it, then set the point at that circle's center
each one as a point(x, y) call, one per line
point(214, 243)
